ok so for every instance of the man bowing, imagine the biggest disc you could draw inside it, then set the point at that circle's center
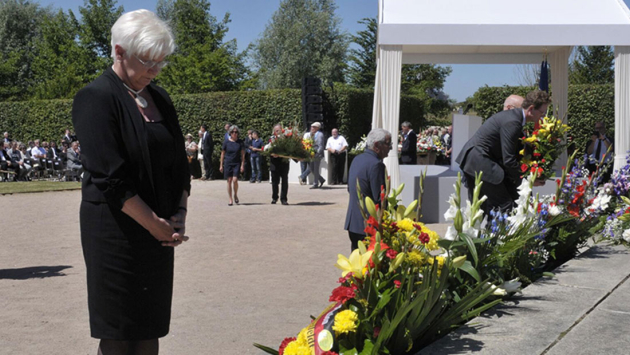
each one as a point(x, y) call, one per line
point(494, 150)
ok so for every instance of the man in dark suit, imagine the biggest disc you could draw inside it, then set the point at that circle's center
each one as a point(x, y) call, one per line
point(597, 151)
point(494, 150)
point(207, 148)
point(369, 170)
point(409, 141)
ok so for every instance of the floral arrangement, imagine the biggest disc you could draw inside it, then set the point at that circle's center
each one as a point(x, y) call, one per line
point(359, 147)
point(425, 145)
point(307, 143)
point(613, 202)
point(289, 145)
point(543, 145)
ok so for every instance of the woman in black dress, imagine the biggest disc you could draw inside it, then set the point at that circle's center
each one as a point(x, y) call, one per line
point(191, 153)
point(232, 162)
point(135, 189)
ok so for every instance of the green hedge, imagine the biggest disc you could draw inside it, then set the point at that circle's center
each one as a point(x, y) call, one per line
point(347, 108)
point(587, 105)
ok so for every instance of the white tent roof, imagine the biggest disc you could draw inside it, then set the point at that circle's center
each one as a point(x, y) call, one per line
point(498, 31)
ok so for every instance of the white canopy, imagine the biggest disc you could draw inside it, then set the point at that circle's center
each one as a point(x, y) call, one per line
point(497, 32)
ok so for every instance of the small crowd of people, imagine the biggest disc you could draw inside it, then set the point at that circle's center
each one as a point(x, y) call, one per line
point(39, 159)
point(242, 158)
point(438, 139)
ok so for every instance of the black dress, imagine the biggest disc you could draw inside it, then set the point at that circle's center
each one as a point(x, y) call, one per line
point(232, 157)
point(130, 274)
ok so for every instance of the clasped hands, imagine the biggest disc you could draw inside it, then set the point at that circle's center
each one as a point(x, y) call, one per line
point(171, 232)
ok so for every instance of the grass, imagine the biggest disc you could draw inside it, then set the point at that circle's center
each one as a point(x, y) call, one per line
point(37, 186)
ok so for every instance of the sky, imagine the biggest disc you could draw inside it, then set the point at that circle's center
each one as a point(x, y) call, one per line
point(249, 18)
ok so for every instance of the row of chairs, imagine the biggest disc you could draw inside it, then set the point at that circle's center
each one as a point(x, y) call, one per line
point(44, 169)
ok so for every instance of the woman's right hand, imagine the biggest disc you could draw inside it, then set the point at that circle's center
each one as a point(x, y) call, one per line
point(221, 168)
point(163, 230)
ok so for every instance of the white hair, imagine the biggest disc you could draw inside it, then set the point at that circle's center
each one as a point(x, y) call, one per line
point(141, 32)
point(377, 135)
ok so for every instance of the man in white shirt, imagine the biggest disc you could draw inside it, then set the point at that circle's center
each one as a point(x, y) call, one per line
point(337, 146)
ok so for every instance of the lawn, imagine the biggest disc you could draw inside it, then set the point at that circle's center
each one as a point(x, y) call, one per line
point(37, 186)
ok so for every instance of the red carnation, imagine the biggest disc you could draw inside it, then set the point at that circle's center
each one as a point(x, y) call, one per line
point(542, 161)
point(536, 154)
point(391, 253)
point(424, 238)
point(524, 168)
point(397, 283)
point(284, 344)
point(329, 353)
point(342, 294)
point(417, 226)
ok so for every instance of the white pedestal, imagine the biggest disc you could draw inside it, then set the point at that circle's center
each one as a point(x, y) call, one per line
point(464, 127)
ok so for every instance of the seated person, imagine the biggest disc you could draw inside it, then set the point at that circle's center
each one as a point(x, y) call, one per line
point(74, 158)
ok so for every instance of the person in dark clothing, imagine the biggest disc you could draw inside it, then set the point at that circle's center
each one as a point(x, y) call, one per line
point(369, 170)
point(279, 172)
point(134, 191)
point(256, 147)
point(232, 162)
point(597, 152)
point(207, 149)
point(409, 140)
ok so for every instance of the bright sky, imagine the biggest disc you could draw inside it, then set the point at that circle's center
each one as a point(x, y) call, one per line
point(249, 18)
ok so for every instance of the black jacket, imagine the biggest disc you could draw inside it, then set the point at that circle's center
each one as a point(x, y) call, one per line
point(207, 144)
point(494, 149)
point(408, 151)
point(114, 148)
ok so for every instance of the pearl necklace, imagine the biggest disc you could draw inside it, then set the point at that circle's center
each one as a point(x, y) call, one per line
point(139, 99)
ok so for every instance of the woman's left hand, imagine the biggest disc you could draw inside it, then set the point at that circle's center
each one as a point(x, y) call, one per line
point(179, 224)
point(242, 168)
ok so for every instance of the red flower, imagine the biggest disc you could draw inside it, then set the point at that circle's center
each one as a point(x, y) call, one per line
point(377, 331)
point(372, 221)
point(342, 294)
point(329, 353)
point(542, 161)
point(558, 182)
point(535, 132)
point(284, 344)
point(424, 238)
point(397, 283)
point(391, 253)
point(369, 230)
point(574, 210)
point(524, 168)
point(417, 226)
point(536, 154)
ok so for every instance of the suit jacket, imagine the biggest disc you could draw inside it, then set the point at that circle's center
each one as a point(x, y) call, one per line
point(51, 155)
point(408, 151)
point(207, 144)
point(370, 171)
point(114, 147)
point(494, 149)
point(74, 161)
point(319, 145)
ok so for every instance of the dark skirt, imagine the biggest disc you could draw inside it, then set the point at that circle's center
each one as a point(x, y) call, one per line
point(129, 276)
point(231, 170)
point(195, 167)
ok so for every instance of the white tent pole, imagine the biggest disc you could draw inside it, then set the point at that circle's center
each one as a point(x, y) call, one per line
point(622, 105)
point(390, 62)
point(377, 118)
point(560, 86)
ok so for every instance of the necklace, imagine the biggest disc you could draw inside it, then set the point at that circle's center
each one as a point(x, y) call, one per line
point(139, 99)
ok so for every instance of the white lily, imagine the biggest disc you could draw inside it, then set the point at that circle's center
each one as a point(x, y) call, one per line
point(511, 286)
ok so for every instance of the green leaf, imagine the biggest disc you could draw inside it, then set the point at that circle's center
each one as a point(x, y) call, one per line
point(368, 346)
point(266, 349)
point(471, 246)
point(470, 270)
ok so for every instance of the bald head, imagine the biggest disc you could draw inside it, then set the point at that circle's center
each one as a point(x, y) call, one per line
point(512, 102)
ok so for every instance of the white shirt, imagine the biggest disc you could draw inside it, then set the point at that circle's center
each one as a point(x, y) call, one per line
point(336, 144)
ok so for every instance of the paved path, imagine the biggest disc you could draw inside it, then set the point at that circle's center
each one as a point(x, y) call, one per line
point(250, 273)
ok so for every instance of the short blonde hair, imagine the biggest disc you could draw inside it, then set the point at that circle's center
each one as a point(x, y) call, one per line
point(141, 32)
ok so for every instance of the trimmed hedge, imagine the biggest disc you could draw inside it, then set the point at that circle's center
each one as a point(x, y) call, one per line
point(347, 108)
point(587, 105)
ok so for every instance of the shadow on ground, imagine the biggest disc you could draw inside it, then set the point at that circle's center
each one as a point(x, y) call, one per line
point(33, 272)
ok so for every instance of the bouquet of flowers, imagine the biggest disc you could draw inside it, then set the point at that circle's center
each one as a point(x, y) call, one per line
point(543, 146)
point(425, 145)
point(289, 145)
point(393, 296)
point(360, 147)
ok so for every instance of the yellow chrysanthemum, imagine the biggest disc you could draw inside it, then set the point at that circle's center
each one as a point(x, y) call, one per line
point(411, 238)
point(433, 243)
point(415, 258)
point(301, 338)
point(294, 348)
point(405, 224)
point(345, 322)
point(440, 260)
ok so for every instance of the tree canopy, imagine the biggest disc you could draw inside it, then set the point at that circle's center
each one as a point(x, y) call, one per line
point(592, 65)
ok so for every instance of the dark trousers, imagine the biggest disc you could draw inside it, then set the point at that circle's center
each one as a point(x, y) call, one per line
point(355, 238)
point(207, 165)
point(280, 173)
point(502, 196)
point(338, 162)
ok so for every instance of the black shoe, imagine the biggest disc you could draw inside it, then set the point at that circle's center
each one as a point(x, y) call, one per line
point(322, 183)
point(314, 187)
point(273, 202)
point(285, 203)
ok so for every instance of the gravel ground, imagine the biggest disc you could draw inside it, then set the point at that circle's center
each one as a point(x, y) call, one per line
point(250, 273)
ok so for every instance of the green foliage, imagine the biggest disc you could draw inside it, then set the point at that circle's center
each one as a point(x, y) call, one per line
point(202, 61)
point(488, 100)
point(303, 39)
point(593, 65)
point(362, 69)
point(98, 17)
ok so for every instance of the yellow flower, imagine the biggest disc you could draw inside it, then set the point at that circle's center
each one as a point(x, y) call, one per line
point(433, 243)
point(294, 348)
point(345, 322)
point(415, 257)
point(355, 264)
point(301, 338)
point(531, 139)
point(405, 224)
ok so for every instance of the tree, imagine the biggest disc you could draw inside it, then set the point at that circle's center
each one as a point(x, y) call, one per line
point(362, 68)
point(303, 39)
point(62, 63)
point(592, 65)
point(98, 17)
point(19, 28)
point(203, 61)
